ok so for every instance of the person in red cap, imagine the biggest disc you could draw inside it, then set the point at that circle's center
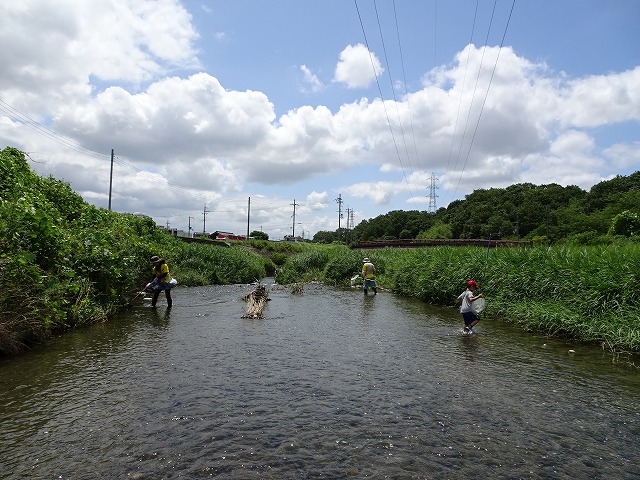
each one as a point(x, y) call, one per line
point(466, 299)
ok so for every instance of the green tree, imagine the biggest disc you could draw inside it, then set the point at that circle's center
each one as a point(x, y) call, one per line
point(258, 235)
point(603, 193)
point(439, 230)
point(518, 211)
point(625, 223)
point(325, 236)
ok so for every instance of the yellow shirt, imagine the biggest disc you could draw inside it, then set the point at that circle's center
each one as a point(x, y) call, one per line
point(158, 271)
point(368, 270)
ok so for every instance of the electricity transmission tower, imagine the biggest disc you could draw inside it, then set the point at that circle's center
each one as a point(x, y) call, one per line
point(432, 193)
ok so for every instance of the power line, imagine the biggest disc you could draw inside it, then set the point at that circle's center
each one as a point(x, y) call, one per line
point(473, 96)
point(17, 115)
point(386, 113)
point(406, 89)
point(464, 81)
point(393, 92)
point(495, 65)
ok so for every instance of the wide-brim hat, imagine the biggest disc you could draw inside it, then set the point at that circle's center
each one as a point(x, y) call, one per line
point(154, 259)
point(365, 259)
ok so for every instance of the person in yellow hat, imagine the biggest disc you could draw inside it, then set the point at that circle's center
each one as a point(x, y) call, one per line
point(162, 280)
point(369, 275)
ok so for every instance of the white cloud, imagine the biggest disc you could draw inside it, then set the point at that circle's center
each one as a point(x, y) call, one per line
point(317, 201)
point(571, 160)
point(601, 99)
point(379, 193)
point(357, 67)
point(68, 43)
point(418, 200)
point(311, 81)
point(155, 125)
point(624, 155)
point(100, 74)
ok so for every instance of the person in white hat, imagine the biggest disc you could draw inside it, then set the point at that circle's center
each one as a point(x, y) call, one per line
point(369, 275)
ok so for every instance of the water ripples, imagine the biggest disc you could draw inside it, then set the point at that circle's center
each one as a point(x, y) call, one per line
point(331, 384)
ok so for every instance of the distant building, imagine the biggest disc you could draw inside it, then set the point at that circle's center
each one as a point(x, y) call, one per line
point(217, 235)
point(291, 238)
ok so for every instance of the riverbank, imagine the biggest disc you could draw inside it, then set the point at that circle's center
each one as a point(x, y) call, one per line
point(65, 263)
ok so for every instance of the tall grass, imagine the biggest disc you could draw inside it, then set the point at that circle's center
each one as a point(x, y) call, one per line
point(201, 264)
point(307, 265)
point(589, 293)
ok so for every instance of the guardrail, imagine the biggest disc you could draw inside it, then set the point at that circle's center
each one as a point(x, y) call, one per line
point(413, 243)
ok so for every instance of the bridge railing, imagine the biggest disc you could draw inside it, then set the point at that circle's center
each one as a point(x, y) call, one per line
point(414, 243)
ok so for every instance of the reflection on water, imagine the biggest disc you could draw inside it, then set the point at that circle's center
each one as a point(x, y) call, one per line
point(331, 384)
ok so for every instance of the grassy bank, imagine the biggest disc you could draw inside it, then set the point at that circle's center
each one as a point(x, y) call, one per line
point(589, 293)
point(65, 263)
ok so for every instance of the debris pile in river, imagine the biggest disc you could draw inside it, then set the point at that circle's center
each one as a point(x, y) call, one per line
point(256, 301)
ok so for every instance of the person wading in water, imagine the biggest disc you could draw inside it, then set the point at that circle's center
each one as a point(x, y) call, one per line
point(369, 275)
point(161, 281)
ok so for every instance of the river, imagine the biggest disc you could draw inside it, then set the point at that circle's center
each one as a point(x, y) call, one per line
point(330, 384)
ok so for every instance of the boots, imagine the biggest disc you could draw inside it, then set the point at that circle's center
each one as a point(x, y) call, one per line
point(154, 300)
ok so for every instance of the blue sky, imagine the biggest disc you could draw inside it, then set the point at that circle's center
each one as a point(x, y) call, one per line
point(210, 103)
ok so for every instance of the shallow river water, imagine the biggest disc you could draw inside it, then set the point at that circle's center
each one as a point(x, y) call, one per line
point(331, 384)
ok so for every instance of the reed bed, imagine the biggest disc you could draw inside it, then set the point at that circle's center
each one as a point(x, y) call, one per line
point(590, 293)
point(201, 264)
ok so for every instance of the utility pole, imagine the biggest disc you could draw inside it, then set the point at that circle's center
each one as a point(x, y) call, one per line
point(339, 200)
point(350, 223)
point(248, 216)
point(293, 229)
point(204, 219)
point(111, 179)
point(189, 232)
point(432, 193)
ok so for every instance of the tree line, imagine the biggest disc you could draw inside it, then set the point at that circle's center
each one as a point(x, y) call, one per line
point(608, 212)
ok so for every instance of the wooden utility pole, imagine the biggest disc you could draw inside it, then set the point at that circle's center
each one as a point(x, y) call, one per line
point(248, 216)
point(204, 219)
point(111, 179)
point(293, 229)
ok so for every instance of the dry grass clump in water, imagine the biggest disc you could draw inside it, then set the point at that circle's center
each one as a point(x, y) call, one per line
point(256, 301)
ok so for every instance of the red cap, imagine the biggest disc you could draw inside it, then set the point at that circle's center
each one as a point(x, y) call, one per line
point(472, 283)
